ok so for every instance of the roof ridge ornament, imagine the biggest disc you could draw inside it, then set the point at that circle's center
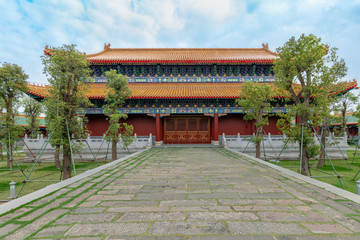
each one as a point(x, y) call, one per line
point(265, 46)
point(47, 50)
point(106, 46)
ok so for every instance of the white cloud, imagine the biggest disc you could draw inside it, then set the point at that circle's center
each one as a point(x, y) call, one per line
point(27, 26)
point(213, 10)
point(311, 5)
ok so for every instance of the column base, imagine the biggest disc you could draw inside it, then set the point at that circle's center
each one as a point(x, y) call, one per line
point(158, 143)
point(215, 143)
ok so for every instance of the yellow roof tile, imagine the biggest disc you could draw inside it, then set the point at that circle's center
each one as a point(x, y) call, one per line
point(177, 90)
point(183, 55)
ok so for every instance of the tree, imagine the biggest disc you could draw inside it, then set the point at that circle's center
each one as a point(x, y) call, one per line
point(68, 71)
point(32, 110)
point(116, 96)
point(302, 70)
point(256, 102)
point(343, 105)
point(126, 132)
point(1, 125)
point(12, 86)
point(325, 116)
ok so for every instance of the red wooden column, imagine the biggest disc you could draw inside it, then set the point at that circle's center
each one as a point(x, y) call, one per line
point(158, 130)
point(216, 129)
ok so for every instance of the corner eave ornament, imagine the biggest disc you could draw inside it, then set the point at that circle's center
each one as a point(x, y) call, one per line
point(106, 46)
point(265, 46)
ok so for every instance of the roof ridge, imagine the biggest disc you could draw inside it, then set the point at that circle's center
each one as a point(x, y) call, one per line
point(222, 49)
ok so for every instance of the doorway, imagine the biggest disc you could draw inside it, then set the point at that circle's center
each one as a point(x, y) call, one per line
point(187, 130)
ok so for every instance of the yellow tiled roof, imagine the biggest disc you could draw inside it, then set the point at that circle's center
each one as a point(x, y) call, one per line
point(183, 55)
point(177, 90)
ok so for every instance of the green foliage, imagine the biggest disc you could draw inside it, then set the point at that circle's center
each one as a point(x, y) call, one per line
point(112, 134)
point(256, 103)
point(32, 110)
point(357, 113)
point(118, 92)
point(295, 133)
point(10, 132)
point(12, 81)
point(68, 71)
point(308, 70)
point(12, 86)
point(126, 132)
point(343, 105)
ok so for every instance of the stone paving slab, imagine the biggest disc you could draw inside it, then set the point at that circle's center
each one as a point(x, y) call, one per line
point(186, 194)
point(107, 228)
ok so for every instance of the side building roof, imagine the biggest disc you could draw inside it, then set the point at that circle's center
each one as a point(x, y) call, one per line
point(22, 121)
point(350, 119)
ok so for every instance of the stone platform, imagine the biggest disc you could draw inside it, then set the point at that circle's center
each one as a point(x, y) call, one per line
point(187, 193)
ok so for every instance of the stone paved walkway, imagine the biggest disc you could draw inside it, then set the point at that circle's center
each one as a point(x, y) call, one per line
point(186, 193)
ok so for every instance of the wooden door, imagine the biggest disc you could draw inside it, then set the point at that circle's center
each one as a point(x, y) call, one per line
point(187, 129)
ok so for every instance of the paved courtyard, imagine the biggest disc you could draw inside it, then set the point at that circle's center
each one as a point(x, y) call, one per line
point(186, 193)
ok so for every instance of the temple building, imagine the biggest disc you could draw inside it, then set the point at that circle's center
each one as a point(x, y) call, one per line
point(182, 95)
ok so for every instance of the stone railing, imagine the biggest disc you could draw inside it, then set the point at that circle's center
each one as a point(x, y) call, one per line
point(272, 146)
point(84, 149)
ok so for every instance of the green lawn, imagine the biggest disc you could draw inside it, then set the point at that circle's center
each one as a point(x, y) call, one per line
point(324, 175)
point(44, 174)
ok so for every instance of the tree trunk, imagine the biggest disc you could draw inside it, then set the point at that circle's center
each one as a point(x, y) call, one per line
point(114, 150)
point(66, 162)
point(304, 160)
point(259, 136)
point(1, 151)
point(9, 159)
point(344, 127)
point(57, 157)
point(322, 145)
point(259, 132)
point(32, 127)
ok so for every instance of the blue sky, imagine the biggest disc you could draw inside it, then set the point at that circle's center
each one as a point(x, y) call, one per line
point(26, 26)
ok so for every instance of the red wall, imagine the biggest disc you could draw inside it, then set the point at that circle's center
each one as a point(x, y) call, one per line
point(232, 124)
point(143, 124)
point(272, 126)
point(97, 124)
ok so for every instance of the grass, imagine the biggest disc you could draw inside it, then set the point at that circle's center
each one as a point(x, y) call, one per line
point(43, 175)
point(327, 174)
